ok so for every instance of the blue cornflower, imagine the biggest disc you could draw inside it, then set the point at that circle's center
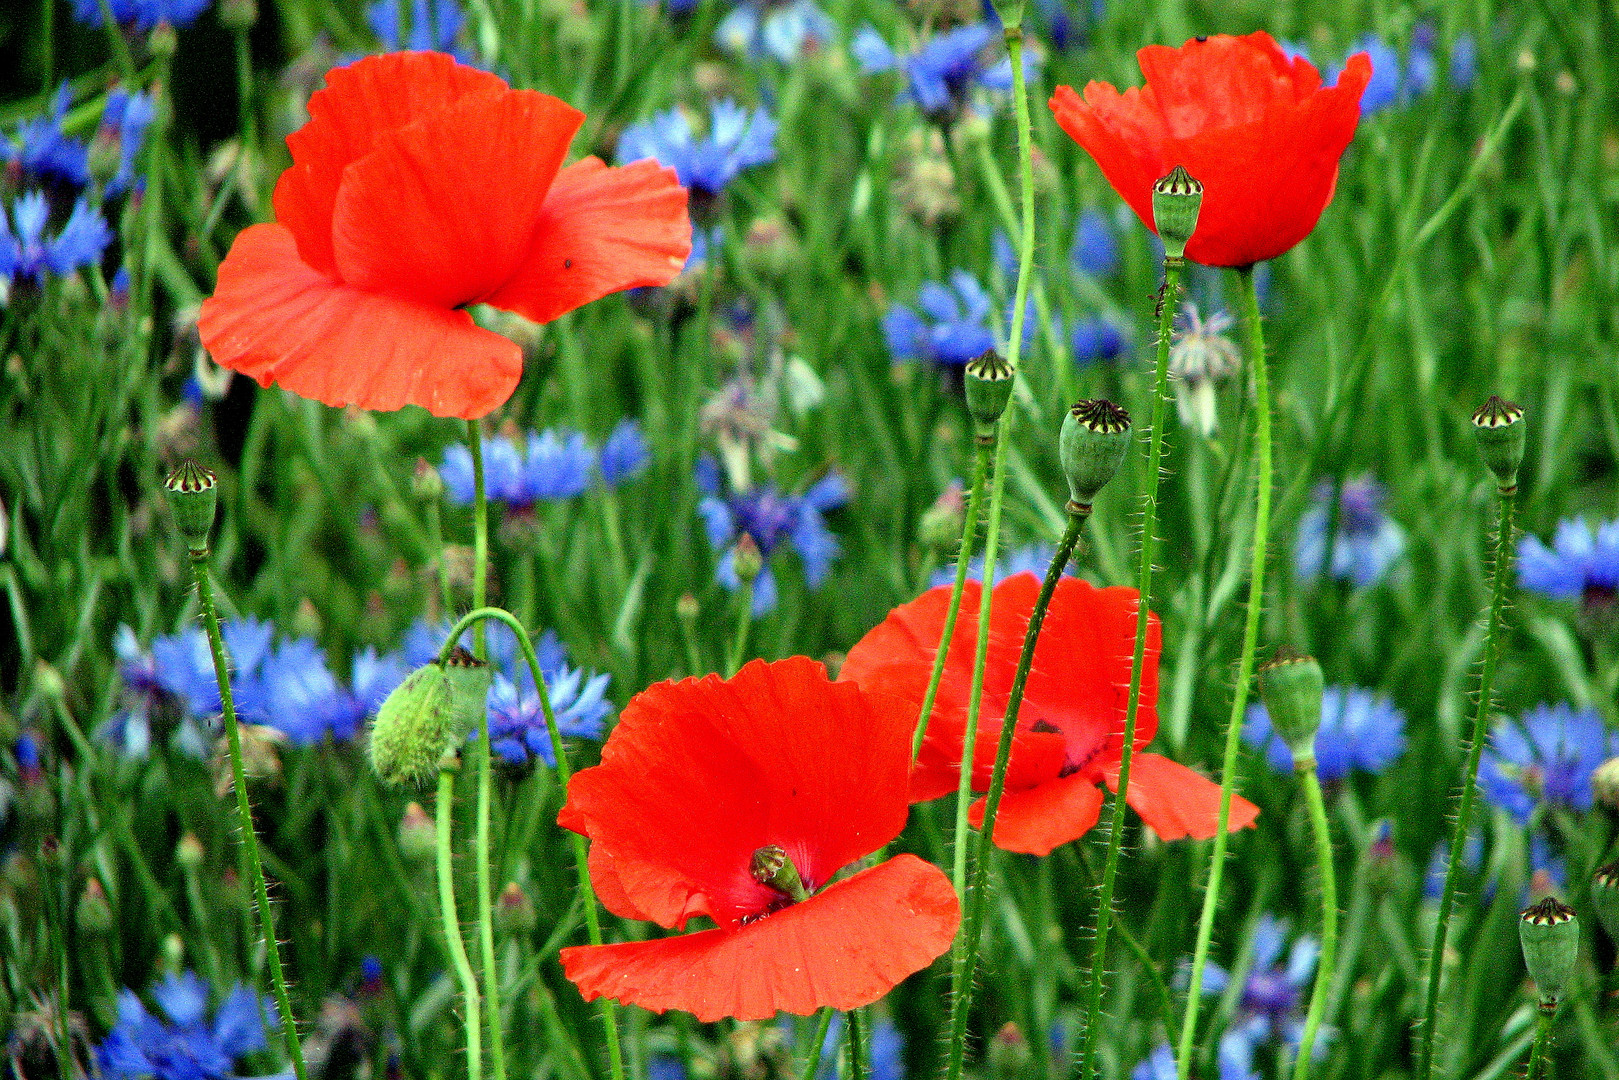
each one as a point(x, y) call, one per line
point(941, 73)
point(1359, 730)
point(1160, 1065)
point(123, 126)
point(1096, 339)
point(770, 517)
point(292, 689)
point(1385, 85)
point(1580, 564)
point(956, 328)
point(177, 676)
point(143, 15)
point(1368, 542)
point(433, 28)
point(1548, 757)
point(1096, 249)
point(625, 453)
point(29, 253)
point(1031, 559)
point(887, 1051)
point(1063, 26)
point(557, 465)
point(736, 140)
point(1433, 883)
point(1272, 997)
point(758, 28)
point(1463, 62)
point(189, 1046)
point(44, 151)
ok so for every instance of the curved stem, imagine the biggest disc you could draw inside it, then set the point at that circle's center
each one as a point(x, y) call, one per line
point(244, 810)
point(1325, 966)
point(1464, 807)
point(1138, 659)
point(1245, 667)
point(452, 925)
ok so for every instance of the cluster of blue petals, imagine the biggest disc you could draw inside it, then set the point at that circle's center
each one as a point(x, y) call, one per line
point(769, 516)
point(1397, 80)
point(736, 140)
point(553, 464)
point(1359, 730)
point(1549, 756)
point(433, 26)
point(759, 28)
point(1367, 542)
point(184, 1043)
point(1581, 563)
point(1271, 1005)
point(1029, 559)
point(952, 327)
point(944, 70)
point(142, 15)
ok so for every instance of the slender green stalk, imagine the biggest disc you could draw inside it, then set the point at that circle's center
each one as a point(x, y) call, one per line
point(1138, 660)
point(483, 756)
point(452, 926)
point(244, 810)
point(1245, 666)
point(744, 623)
point(247, 124)
point(1464, 806)
point(812, 1060)
point(1325, 966)
point(1538, 1066)
point(859, 1045)
point(964, 554)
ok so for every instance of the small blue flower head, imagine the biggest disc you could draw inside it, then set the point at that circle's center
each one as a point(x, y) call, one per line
point(1160, 1065)
point(1368, 542)
point(1582, 563)
point(1359, 730)
point(556, 464)
point(517, 719)
point(174, 679)
point(736, 140)
point(786, 31)
point(943, 72)
point(122, 133)
point(26, 251)
point(625, 454)
point(1384, 88)
point(143, 15)
point(1433, 884)
point(887, 1050)
point(1550, 755)
point(1029, 559)
point(1065, 26)
point(1272, 996)
point(44, 153)
point(767, 515)
point(434, 27)
point(1463, 62)
point(1096, 248)
point(953, 327)
point(188, 1045)
point(1096, 339)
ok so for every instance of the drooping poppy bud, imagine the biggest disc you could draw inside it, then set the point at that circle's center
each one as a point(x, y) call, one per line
point(988, 383)
point(1292, 686)
point(1095, 436)
point(193, 495)
point(428, 714)
point(1550, 934)
point(1605, 784)
point(1176, 199)
point(1499, 427)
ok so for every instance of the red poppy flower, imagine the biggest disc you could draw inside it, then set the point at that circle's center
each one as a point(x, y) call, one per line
point(1256, 128)
point(701, 776)
point(420, 186)
point(1070, 732)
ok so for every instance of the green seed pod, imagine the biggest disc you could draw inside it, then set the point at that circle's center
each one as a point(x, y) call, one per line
point(988, 381)
point(193, 496)
point(1605, 784)
point(428, 715)
point(1291, 686)
point(1605, 897)
point(1499, 428)
point(1095, 436)
point(1176, 199)
point(772, 867)
point(1550, 934)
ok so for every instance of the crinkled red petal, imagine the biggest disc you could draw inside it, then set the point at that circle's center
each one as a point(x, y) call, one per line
point(1037, 820)
point(1176, 802)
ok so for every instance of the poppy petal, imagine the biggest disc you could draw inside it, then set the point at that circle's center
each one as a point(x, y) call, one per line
point(609, 889)
point(844, 947)
point(276, 319)
point(602, 230)
point(443, 210)
point(1177, 802)
point(1039, 819)
point(359, 102)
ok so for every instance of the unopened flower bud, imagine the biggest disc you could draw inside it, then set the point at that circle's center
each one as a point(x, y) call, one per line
point(1605, 784)
point(427, 716)
point(426, 483)
point(261, 758)
point(189, 852)
point(163, 40)
point(940, 525)
point(1605, 897)
point(1291, 686)
point(238, 14)
point(1176, 200)
point(172, 956)
point(687, 608)
point(746, 559)
point(1095, 436)
point(772, 867)
point(1008, 1055)
point(94, 917)
point(989, 388)
point(1499, 427)
point(514, 911)
point(418, 834)
point(1550, 934)
point(193, 496)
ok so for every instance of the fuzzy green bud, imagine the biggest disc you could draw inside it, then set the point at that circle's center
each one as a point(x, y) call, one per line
point(189, 853)
point(163, 40)
point(1550, 934)
point(939, 527)
point(239, 15)
point(1176, 199)
point(1095, 435)
point(771, 866)
point(193, 496)
point(1499, 427)
point(988, 382)
point(1008, 1056)
point(427, 716)
point(1291, 686)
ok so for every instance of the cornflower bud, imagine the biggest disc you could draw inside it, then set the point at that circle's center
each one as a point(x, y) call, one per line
point(514, 911)
point(940, 525)
point(418, 835)
point(747, 558)
point(1291, 686)
point(1008, 1055)
point(189, 852)
point(1499, 428)
point(1550, 934)
point(193, 496)
point(1176, 199)
point(989, 388)
point(427, 716)
point(94, 917)
point(1095, 435)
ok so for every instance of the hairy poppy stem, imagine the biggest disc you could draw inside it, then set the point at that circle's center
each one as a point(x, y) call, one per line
point(244, 810)
point(1138, 659)
point(859, 1045)
point(483, 756)
point(1328, 960)
point(961, 974)
point(1464, 805)
point(1543, 1039)
point(593, 927)
point(1245, 666)
point(817, 1046)
point(964, 554)
point(452, 925)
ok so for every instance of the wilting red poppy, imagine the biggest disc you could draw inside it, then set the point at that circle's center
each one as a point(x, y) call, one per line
point(702, 778)
point(1070, 731)
point(420, 186)
point(1256, 128)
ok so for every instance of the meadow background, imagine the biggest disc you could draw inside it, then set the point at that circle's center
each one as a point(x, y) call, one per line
point(1470, 250)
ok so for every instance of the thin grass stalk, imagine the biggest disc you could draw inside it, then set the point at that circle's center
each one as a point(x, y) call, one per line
point(1327, 962)
point(445, 809)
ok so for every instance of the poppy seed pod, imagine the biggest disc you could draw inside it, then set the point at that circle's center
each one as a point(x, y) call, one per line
point(1605, 897)
point(1550, 934)
point(1292, 686)
point(193, 496)
point(1176, 199)
point(428, 714)
point(1095, 435)
point(988, 383)
point(771, 866)
point(1499, 427)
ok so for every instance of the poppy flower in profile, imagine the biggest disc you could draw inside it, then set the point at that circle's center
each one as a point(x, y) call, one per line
point(1256, 128)
point(742, 800)
point(1070, 728)
point(418, 187)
